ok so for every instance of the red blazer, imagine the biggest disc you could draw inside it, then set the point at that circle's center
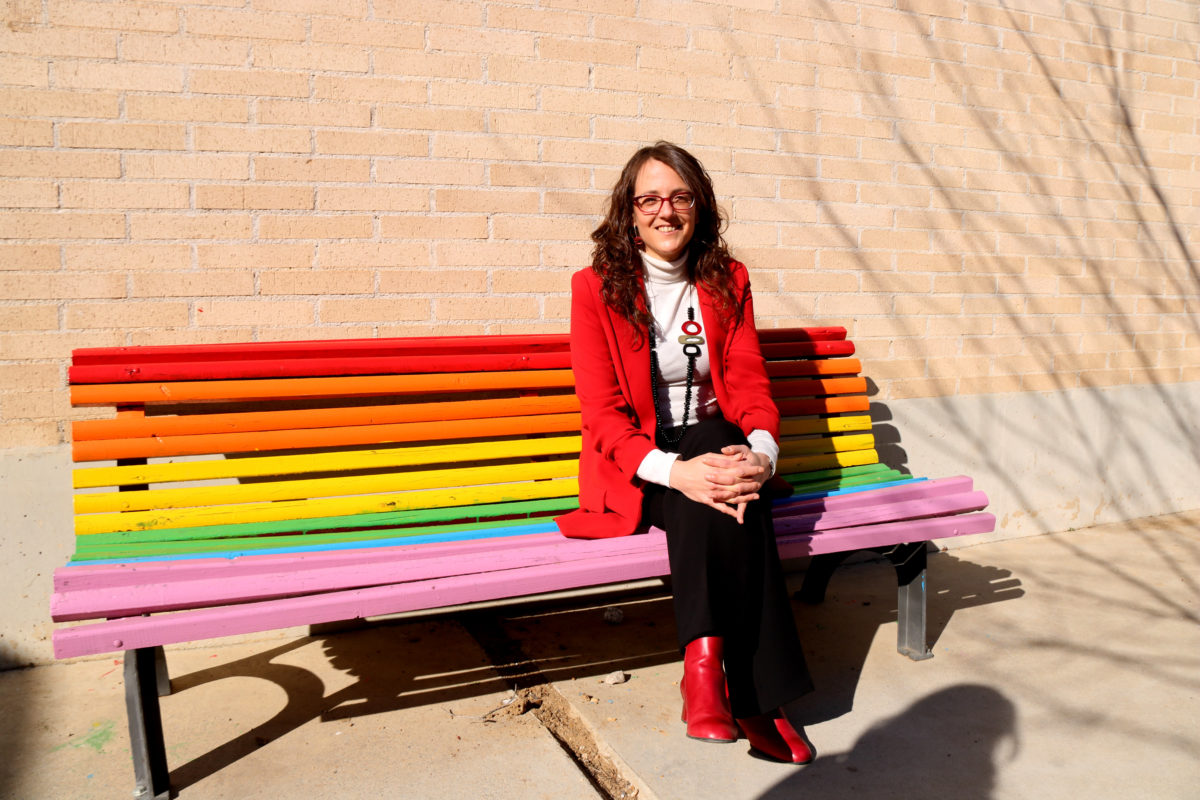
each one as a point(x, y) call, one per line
point(612, 379)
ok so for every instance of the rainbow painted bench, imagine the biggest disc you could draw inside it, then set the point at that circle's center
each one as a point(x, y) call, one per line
point(249, 487)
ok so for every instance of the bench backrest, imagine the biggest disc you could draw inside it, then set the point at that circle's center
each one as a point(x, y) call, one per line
point(295, 446)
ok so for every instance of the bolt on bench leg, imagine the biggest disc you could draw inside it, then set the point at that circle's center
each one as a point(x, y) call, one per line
point(142, 690)
point(910, 563)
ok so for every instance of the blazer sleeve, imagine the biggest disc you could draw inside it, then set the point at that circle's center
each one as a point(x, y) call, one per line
point(610, 424)
point(746, 383)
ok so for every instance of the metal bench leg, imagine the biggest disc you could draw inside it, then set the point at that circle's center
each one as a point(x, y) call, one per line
point(816, 577)
point(910, 563)
point(142, 683)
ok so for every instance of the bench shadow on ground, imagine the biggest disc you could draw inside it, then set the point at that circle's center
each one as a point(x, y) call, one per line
point(444, 658)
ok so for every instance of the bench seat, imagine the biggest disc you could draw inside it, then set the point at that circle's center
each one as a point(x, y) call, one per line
point(250, 487)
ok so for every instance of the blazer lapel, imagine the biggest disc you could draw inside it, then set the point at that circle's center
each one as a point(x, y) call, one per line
point(714, 336)
point(633, 368)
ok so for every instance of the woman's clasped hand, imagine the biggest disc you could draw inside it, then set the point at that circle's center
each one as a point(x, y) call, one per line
point(726, 481)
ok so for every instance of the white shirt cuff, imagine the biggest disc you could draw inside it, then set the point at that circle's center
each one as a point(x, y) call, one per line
point(763, 442)
point(656, 467)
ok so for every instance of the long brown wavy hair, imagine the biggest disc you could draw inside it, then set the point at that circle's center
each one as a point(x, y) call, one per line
point(617, 261)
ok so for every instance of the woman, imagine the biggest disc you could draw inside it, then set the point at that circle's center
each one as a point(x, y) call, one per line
point(680, 431)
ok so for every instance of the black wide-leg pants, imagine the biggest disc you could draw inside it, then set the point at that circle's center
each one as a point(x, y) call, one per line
point(728, 582)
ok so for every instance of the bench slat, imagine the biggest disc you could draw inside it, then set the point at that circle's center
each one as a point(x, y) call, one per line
point(351, 363)
point(114, 576)
point(318, 348)
point(960, 484)
point(805, 427)
point(386, 520)
point(306, 542)
point(205, 444)
point(817, 387)
point(309, 367)
point(814, 334)
point(319, 534)
point(822, 405)
point(301, 489)
point(164, 445)
point(320, 507)
point(853, 458)
point(335, 461)
point(414, 345)
point(117, 394)
point(306, 418)
point(826, 444)
point(373, 385)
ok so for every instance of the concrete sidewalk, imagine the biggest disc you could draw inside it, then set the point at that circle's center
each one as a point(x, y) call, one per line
point(1067, 665)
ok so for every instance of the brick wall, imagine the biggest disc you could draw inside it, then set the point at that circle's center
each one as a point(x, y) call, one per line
point(992, 196)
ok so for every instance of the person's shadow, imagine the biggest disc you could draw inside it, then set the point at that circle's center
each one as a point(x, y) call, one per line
point(949, 744)
point(861, 598)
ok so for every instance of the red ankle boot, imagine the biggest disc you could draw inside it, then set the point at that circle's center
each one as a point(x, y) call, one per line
point(705, 702)
point(776, 739)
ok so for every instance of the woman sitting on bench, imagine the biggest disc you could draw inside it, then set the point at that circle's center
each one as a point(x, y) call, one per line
point(680, 432)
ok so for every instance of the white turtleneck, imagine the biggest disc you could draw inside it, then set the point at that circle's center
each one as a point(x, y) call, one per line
point(671, 295)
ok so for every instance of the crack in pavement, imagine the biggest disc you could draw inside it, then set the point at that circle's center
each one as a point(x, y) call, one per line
point(535, 693)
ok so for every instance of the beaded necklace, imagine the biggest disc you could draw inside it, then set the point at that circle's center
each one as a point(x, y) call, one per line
point(691, 341)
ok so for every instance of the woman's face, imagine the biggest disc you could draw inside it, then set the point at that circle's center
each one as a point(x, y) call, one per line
point(668, 230)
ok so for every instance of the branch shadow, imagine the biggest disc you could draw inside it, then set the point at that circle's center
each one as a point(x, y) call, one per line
point(1049, 149)
point(396, 664)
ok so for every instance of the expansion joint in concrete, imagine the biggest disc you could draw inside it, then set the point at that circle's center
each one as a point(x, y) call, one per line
point(535, 693)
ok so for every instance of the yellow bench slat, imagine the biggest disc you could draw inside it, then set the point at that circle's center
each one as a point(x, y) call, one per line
point(274, 491)
point(325, 507)
point(340, 461)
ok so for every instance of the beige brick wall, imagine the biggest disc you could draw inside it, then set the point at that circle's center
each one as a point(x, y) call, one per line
point(992, 196)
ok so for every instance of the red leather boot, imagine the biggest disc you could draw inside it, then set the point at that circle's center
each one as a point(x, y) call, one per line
point(705, 702)
point(776, 739)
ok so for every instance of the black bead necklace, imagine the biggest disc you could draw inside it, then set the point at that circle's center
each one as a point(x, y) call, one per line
point(691, 341)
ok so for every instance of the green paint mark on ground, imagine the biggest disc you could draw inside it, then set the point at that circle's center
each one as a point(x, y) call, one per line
point(96, 738)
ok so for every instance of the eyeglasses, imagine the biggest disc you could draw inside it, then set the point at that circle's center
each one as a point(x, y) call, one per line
point(651, 203)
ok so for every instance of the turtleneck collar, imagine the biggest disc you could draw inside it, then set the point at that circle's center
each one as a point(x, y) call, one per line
point(659, 271)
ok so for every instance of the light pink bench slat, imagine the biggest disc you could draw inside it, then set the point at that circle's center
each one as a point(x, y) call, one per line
point(650, 560)
point(886, 494)
point(85, 576)
point(222, 582)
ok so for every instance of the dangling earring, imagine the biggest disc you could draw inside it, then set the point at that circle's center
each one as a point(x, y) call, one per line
point(638, 242)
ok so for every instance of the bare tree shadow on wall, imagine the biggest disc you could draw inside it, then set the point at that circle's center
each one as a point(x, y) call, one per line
point(1016, 203)
point(1013, 220)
